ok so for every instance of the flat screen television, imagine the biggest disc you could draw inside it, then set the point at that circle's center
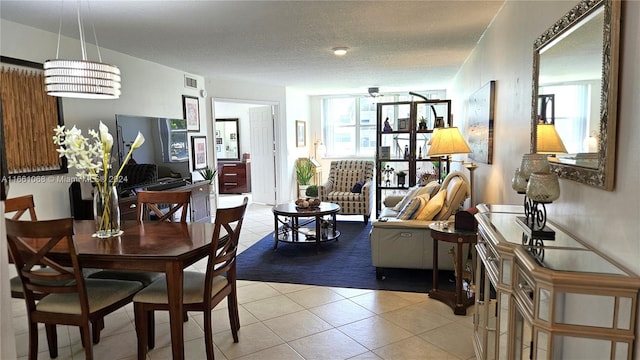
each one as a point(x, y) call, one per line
point(166, 144)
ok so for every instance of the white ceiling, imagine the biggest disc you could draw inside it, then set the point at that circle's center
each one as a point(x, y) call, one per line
point(396, 45)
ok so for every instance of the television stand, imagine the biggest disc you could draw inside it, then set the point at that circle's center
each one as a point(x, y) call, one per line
point(199, 205)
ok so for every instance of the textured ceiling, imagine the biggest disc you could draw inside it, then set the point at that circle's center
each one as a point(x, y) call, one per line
point(396, 45)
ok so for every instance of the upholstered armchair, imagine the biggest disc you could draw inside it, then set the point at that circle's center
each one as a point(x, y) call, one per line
point(350, 186)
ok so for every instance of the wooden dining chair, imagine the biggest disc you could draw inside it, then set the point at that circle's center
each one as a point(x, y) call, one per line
point(20, 206)
point(152, 202)
point(162, 205)
point(69, 299)
point(218, 282)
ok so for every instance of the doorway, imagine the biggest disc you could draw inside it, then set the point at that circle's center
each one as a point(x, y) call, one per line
point(256, 137)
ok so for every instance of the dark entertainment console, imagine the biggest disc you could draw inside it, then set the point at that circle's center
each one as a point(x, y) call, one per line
point(234, 177)
point(199, 207)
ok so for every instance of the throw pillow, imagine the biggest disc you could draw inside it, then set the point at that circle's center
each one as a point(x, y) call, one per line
point(412, 207)
point(456, 192)
point(410, 194)
point(424, 200)
point(357, 187)
point(431, 188)
point(433, 207)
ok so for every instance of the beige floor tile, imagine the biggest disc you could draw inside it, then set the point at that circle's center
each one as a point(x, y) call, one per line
point(381, 301)
point(341, 312)
point(413, 348)
point(255, 291)
point(416, 318)
point(285, 288)
point(314, 296)
point(452, 338)
point(118, 346)
point(194, 349)
point(280, 352)
point(252, 338)
point(366, 356)
point(374, 332)
point(272, 307)
point(329, 345)
point(350, 292)
point(297, 325)
point(220, 319)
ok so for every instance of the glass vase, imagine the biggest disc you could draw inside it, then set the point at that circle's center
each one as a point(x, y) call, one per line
point(106, 212)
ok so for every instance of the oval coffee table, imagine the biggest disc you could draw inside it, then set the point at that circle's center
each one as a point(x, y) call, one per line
point(292, 224)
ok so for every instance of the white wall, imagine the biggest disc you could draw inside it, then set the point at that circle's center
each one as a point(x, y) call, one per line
point(606, 219)
point(298, 109)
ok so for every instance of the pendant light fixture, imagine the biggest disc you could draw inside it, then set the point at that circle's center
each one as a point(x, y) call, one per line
point(81, 78)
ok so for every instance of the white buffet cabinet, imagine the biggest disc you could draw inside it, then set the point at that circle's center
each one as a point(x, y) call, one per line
point(556, 299)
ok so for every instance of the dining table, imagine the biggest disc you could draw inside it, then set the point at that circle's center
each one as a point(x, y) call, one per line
point(162, 247)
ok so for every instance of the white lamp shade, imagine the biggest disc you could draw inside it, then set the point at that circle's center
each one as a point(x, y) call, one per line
point(448, 141)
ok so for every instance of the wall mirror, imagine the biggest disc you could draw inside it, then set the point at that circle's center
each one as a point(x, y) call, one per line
point(575, 85)
point(227, 139)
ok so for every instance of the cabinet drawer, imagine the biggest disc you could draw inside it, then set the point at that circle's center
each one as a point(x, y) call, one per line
point(128, 208)
point(524, 290)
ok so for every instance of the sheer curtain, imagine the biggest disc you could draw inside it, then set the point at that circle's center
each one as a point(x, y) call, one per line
point(7, 339)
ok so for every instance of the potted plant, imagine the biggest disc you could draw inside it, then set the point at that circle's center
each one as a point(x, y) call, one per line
point(422, 123)
point(312, 191)
point(208, 174)
point(304, 173)
point(402, 175)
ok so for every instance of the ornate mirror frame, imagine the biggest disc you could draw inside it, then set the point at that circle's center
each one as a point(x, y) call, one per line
point(603, 175)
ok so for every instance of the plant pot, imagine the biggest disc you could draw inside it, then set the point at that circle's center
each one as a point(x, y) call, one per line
point(401, 180)
point(302, 190)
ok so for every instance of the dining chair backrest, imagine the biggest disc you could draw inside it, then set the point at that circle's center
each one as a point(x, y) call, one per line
point(30, 243)
point(163, 204)
point(226, 234)
point(19, 206)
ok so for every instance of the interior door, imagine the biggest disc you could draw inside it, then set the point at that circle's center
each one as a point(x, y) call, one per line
point(263, 160)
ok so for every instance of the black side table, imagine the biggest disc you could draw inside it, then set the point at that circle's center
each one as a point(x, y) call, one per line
point(457, 300)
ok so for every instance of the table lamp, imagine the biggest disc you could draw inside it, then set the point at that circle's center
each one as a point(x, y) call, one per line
point(448, 141)
point(547, 140)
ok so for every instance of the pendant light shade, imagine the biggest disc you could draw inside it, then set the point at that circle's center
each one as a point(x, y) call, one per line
point(82, 79)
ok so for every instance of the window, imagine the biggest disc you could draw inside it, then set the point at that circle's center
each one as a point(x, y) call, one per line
point(349, 123)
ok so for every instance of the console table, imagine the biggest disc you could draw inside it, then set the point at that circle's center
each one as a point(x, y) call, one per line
point(548, 298)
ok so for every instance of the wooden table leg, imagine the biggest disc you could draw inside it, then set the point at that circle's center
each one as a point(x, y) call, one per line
point(460, 309)
point(175, 297)
point(435, 264)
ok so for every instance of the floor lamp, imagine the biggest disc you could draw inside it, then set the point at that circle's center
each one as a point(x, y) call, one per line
point(449, 141)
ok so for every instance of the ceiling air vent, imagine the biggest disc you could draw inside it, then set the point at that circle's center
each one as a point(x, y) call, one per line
point(190, 82)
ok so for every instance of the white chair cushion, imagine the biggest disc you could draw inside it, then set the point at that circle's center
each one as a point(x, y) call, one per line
point(101, 293)
point(156, 293)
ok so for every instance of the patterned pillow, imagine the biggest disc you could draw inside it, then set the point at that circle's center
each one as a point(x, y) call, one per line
point(412, 207)
point(410, 195)
point(431, 188)
point(433, 207)
point(424, 200)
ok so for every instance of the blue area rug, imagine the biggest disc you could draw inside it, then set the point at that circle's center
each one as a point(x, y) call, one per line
point(343, 263)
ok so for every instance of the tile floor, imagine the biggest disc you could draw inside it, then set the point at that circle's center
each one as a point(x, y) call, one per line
point(288, 321)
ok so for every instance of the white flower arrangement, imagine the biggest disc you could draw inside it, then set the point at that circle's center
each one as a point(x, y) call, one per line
point(92, 158)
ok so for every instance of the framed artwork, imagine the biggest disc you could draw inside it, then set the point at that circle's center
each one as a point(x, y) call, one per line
point(403, 124)
point(480, 114)
point(191, 112)
point(301, 133)
point(199, 149)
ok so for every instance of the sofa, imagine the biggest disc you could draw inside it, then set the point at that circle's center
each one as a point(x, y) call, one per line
point(349, 185)
point(406, 242)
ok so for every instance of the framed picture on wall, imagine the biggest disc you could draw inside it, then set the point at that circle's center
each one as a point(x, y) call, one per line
point(301, 133)
point(199, 149)
point(191, 112)
point(480, 119)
